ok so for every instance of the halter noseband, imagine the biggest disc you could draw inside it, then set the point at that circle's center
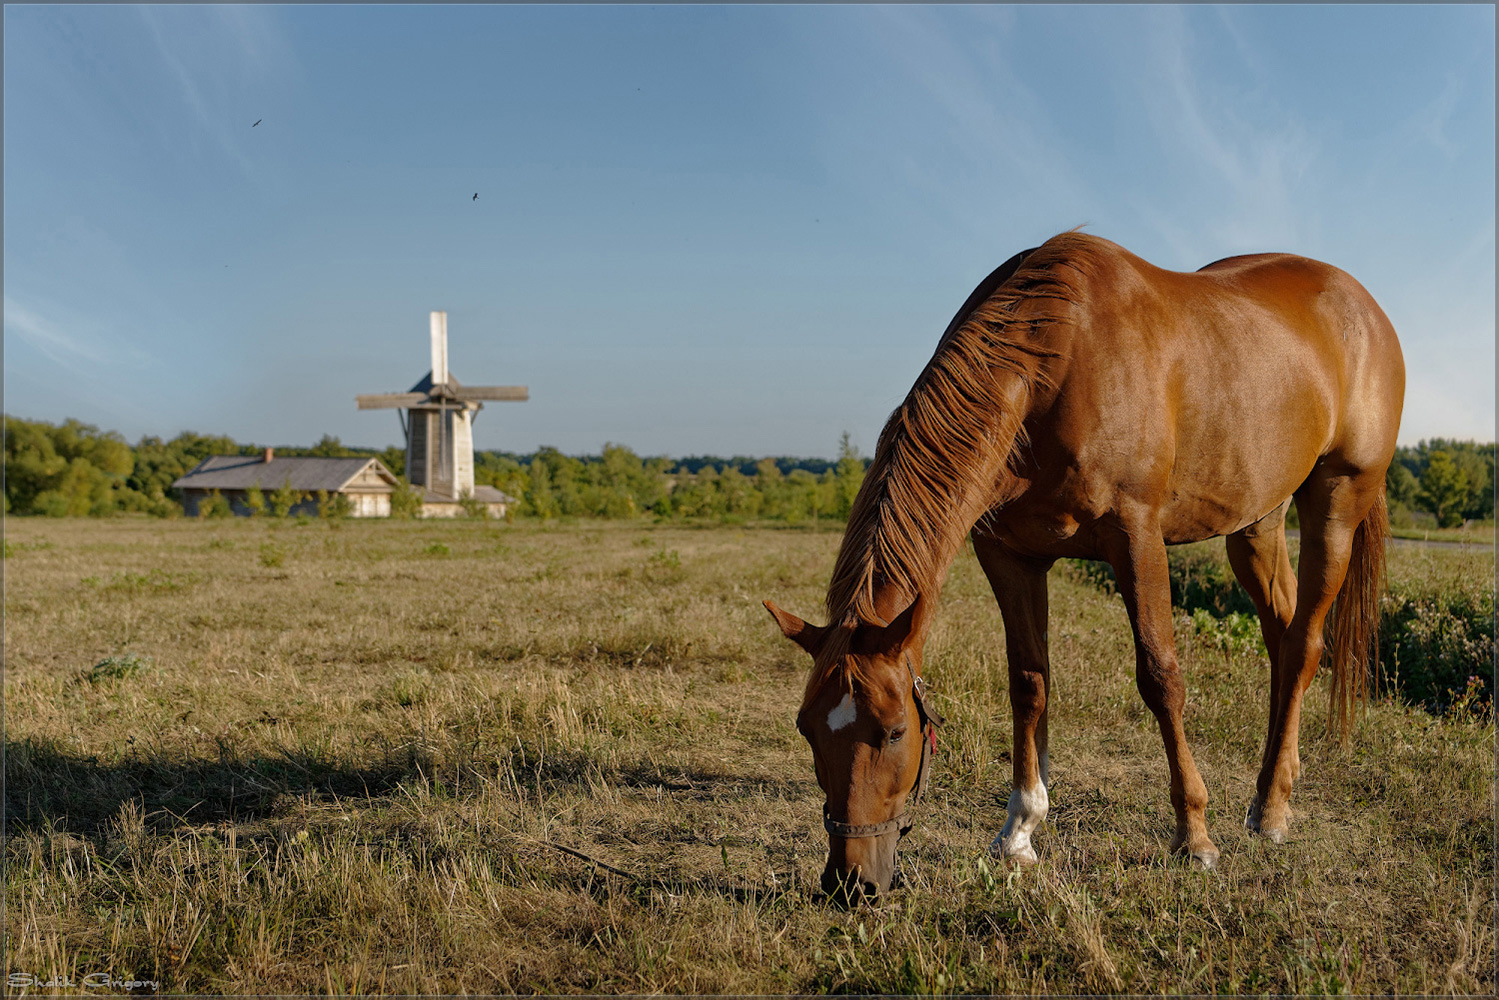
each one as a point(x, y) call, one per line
point(930, 720)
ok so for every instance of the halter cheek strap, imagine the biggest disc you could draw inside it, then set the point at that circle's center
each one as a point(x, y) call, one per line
point(930, 720)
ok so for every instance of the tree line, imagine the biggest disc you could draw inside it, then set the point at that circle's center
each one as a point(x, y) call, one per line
point(75, 469)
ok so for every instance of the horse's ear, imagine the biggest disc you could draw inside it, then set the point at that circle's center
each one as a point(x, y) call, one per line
point(900, 629)
point(881, 637)
point(808, 637)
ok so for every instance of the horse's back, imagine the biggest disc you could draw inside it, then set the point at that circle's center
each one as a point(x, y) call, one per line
point(1212, 394)
point(1351, 338)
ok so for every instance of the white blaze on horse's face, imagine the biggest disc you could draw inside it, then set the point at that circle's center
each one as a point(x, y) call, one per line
point(843, 713)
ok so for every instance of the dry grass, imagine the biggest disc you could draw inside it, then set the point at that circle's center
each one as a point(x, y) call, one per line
point(348, 760)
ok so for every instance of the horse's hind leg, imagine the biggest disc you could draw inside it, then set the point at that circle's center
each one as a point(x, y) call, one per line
point(1262, 565)
point(1331, 505)
point(1020, 588)
point(1139, 559)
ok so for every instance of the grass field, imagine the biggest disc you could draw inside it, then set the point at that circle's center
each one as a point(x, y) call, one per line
point(260, 757)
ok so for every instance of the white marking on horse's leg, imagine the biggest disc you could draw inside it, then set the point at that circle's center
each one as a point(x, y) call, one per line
point(1027, 808)
point(843, 714)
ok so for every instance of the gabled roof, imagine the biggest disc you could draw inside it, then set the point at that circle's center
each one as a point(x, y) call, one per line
point(240, 472)
point(486, 494)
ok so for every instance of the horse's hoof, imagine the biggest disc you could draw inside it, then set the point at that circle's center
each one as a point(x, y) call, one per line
point(1205, 859)
point(1025, 857)
point(1252, 817)
point(1276, 834)
point(1012, 853)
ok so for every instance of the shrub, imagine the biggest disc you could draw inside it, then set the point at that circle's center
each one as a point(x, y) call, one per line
point(255, 500)
point(284, 498)
point(214, 505)
point(405, 500)
point(1233, 634)
point(1201, 580)
point(1436, 640)
point(473, 507)
point(1437, 648)
point(271, 555)
point(115, 668)
point(334, 507)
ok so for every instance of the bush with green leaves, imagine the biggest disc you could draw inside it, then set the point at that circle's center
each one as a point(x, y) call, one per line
point(473, 506)
point(1436, 646)
point(405, 500)
point(1201, 580)
point(333, 506)
point(116, 668)
point(214, 505)
point(284, 498)
point(255, 500)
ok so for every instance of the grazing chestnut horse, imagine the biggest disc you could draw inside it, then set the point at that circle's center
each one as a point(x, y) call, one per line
point(1086, 404)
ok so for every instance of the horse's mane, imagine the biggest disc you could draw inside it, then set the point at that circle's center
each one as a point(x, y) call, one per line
point(946, 447)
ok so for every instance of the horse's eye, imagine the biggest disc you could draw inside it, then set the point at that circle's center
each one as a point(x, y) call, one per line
point(898, 734)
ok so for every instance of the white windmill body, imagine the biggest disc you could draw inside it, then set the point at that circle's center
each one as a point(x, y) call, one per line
point(438, 425)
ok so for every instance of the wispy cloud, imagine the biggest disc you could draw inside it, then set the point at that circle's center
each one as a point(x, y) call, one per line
point(958, 125)
point(220, 58)
point(1248, 173)
point(992, 114)
point(73, 344)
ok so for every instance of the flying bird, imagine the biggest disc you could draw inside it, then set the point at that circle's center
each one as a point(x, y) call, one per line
point(257, 122)
point(476, 196)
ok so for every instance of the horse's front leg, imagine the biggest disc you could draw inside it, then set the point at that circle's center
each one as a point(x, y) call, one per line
point(1139, 559)
point(1020, 588)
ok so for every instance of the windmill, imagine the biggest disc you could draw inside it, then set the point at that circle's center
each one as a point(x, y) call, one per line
point(438, 423)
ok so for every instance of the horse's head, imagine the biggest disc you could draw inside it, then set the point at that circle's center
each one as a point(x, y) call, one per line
point(871, 733)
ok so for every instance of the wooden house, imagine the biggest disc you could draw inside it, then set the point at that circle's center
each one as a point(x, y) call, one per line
point(366, 482)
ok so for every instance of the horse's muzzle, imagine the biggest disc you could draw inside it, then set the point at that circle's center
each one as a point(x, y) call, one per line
point(850, 888)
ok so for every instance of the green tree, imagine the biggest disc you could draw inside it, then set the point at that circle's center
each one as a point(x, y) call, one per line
point(394, 459)
point(538, 500)
point(284, 498)
point(214, 505)
point(472, 506)
point(849, 476)
point(1444, 489)
point(405, 500)
point(333, 506)
point(255, 500)
point(1401, 486)
point(69, 469)
point(329, 447)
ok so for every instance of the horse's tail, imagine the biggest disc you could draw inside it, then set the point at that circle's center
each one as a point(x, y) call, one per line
point(1355, 618)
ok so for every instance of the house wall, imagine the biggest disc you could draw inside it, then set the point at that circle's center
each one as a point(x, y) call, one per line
point(496, 510)
point(362, 504)
point(370, 504)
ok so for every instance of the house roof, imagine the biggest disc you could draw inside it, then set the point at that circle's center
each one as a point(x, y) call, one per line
point(240, 472)
point(488, 494)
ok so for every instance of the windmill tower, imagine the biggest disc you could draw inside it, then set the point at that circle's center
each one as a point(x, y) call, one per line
point(438, 422)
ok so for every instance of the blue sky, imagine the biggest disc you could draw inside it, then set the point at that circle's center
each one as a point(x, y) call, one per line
point(699, 229)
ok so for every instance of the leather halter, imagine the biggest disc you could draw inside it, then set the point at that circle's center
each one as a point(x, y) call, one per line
point(930, 720)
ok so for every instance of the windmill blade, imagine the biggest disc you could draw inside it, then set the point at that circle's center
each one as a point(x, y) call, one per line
point(439, 347)
point(502, 393)
point(389, 400)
